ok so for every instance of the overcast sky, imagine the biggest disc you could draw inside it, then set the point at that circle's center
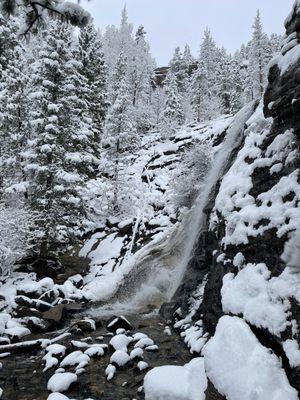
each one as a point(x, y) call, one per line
point(170, 23)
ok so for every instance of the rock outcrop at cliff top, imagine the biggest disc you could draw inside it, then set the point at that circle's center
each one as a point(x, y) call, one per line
point(252, 216)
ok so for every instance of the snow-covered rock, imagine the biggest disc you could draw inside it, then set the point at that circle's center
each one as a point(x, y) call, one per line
point(110, 372)
point(144, 342)
point(241, 368)
point(77, 358)
point(61, 382)
point(120, 342)
point(96, 350)
point(177, 383)
point(136, 353)
point(57, 396)
point(120, 358)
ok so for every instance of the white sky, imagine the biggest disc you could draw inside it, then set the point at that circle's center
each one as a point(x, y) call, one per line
point(171, 23)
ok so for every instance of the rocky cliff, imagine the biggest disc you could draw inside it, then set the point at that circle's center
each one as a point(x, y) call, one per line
point(240, 263)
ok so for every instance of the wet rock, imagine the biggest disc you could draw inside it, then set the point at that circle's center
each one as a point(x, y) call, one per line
point(73, 264)
point(86, 325)
point(4, 340)
point(76, 331)
point(72, 307)
point(167, 310)
point(98, 323)
point(212, 393)
point(55, 314)
point(23, 311)
point(32, 303)
point(116, 323)
point(49, 267)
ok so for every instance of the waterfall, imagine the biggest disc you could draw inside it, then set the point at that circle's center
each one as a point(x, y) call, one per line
point(160, 266)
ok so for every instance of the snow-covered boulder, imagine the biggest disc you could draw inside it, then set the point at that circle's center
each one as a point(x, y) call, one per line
point(177, 383)
point(241, 368)
point(61, 382)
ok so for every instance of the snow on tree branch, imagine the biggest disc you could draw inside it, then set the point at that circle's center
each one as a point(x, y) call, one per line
point(36, 10)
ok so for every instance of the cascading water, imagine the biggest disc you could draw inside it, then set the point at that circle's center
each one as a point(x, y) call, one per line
point(159, 268)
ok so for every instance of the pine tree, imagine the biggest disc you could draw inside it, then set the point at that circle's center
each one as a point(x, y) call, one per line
point(275, 43)
point(120, 135)
point(173, 114)
point(199, 90)
point(61, 153)
point(178, 68)
point(208, 57)
point(12, 99)
point(94, 76)
point(140, 73)
point(13, 124)
point(258, 58)
point(188, 59)
point(141, 68)
point(158, 102)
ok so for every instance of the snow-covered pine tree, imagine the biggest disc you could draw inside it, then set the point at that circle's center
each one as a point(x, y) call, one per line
point(140, 73)
point(119, 136)
point(258, 58)
point(120, 73)
point(61, 152)
point(141, 70)
point(208, 57)
point(158, 102)
point(12, 97)
point(275, 43)
point(189, 65)
point(8, 41)
point(13, 124)
point(199, 92)
point(116, 41)
point(236, 84)
point(188, 59)
point(178, 68)
point(94, 76)
point(228, 83)
point(173, 115)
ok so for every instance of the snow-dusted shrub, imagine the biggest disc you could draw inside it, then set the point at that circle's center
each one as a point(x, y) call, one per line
point(195, 166)
point(16, 236)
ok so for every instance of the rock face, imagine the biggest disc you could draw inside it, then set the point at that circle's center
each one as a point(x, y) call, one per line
point(252, 215)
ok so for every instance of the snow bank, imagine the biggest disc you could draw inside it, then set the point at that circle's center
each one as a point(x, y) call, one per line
point(241, 368)
point(176, 383)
